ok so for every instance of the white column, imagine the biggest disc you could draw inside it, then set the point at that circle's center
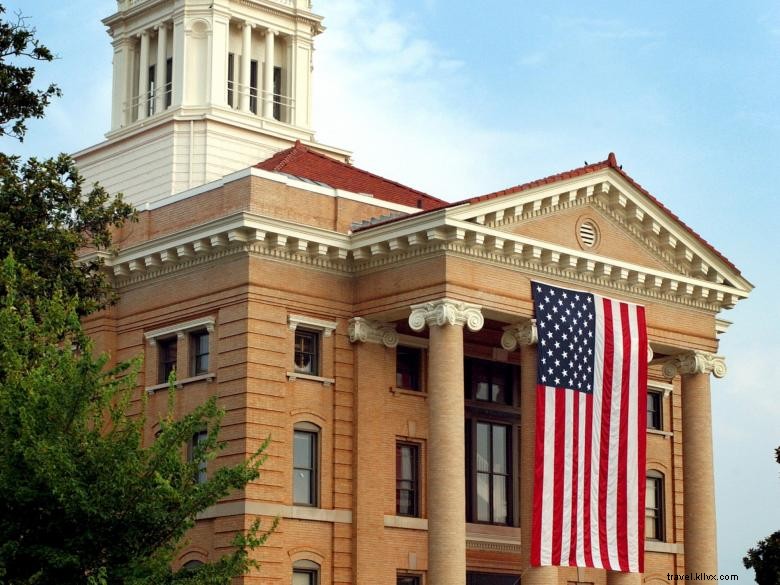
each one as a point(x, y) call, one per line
point(143, 78)
point(178, 62)
point(268, 75)
point(122, 63)
point(246, 61)
point(159, 83)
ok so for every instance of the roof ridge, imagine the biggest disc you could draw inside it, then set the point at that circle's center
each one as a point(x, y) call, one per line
point(295, 151)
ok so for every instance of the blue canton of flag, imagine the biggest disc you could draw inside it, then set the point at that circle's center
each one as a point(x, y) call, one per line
point(565, 322)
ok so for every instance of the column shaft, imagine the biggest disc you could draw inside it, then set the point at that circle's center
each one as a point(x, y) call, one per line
point(446, 461)
point(698, 476)
point(268, 75)
point(143, 77)
point(246, 64)
point(160, 69)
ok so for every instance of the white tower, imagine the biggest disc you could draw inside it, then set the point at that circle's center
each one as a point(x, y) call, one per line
point(203, 88)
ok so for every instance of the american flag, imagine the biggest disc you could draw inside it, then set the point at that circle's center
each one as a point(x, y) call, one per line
point(589, 480)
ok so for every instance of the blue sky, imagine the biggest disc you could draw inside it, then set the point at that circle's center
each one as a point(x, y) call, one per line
point(461, 98)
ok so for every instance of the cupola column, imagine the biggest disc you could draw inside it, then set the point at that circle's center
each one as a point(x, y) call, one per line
point(161, 68)
point(143, 77)
point(700, 533)
point(446, 436)
point(246, 65)
point(268, 75)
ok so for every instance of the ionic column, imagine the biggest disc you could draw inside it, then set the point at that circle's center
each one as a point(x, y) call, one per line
point(246, 63)
point(700, 532)
point(268, 75)
point(159, 83)
point(373, 364)
point(446, 436)
point(143, 78)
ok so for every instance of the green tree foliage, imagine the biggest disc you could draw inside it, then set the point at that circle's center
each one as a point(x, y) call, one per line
point(82, 500)
point(764, 559)
point(18, 101)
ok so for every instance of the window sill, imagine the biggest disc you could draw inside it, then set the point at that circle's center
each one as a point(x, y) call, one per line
point(410, 522)
point(298, 376)
point(665, 434)
point(181, 383)
point(664, 547)
point(407, 392)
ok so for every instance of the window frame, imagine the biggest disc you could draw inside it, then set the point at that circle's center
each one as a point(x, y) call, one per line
point(659, 517)
point(415, 449)
point(657, 415)
point(314, 432)
point(408, 579)
point(198, 438)
point(315, 354)
point(254, 68)
point(307, 567)
point(473, 473)
point(231, 76)
point(420, 353)
point(166, 366)
point(194, 357)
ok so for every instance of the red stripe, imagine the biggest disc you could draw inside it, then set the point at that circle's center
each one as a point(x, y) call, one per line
point(576, 496)
point(586, 544)
point(642, 431)
point(622, 494)
point(606, 405)
point(536, 540)
point(558, 475)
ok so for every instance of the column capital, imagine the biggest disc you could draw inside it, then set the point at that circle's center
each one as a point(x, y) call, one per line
point(446, 312)
point(369, 331)
point(523, 333)
point(271, 31)
point(695, 362)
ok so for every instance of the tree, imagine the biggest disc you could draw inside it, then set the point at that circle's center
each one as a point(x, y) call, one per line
point(81, 498)
point(764, 558)
point(18, 101)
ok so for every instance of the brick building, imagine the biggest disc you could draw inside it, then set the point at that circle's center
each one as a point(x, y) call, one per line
point(382, 337)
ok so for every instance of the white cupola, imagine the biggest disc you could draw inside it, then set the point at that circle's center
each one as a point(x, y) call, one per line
point(203, 88)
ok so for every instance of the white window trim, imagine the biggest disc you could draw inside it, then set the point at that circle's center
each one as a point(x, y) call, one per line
point(312, 323)
point(180, 383)
point(206, 323)
point(664, 387)
point(292, 376)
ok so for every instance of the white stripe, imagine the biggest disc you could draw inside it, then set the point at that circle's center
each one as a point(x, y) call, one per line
point(568, 470)
point(632, 468)
point(580, 550)
point(614, 435)
point(545, 557)
point(595, 423)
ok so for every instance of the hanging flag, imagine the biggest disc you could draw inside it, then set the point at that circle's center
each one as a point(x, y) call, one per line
point(589, 477)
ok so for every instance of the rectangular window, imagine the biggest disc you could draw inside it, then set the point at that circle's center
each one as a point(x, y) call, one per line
point(307, 352)
point(491, 473)
point(168, 82)
point(407, 479)
point(198, 439)
point(654, 420)
point(199, 351)
point(253, 86)
point(408, 580)
point(305, 468)
point(277, 93)
point(489, 381)
point(304, 577)
point(408, 367)
point(654, 499)
point(167, 359)
point(150, 90)
point(231, 75)
point(491, 579)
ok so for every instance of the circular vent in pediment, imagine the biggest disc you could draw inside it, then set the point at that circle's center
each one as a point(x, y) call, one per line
point(588, 234)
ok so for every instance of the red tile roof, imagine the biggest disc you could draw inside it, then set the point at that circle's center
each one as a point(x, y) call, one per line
point(300, 161)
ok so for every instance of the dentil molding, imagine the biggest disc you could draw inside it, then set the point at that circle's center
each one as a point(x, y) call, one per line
point(695, 362)
point(368, 331)
point(446, 312)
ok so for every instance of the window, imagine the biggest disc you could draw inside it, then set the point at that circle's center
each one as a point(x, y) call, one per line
point(654, 506)
point(408, 580)
point(305, 466)
point(253, 86)
point(277, 93)
point(306, 573)
point(167, 359)
point(408, 367)
point(231, 75)
point(150, 91)
point(491, 579)
point(199, 352)
point(654, 415)
point(407, 479)
point(168, 82)
point(196, 441)
point(491, 472)
point(307, 352)
point(489, 381)
point(192, 565)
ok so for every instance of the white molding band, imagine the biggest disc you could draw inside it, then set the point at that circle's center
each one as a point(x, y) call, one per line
point(695, 362)
point(268, 509)
point(327, 327)
point(446, 312)
point(406, 522)
point(206, 323)
point(368, 331)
